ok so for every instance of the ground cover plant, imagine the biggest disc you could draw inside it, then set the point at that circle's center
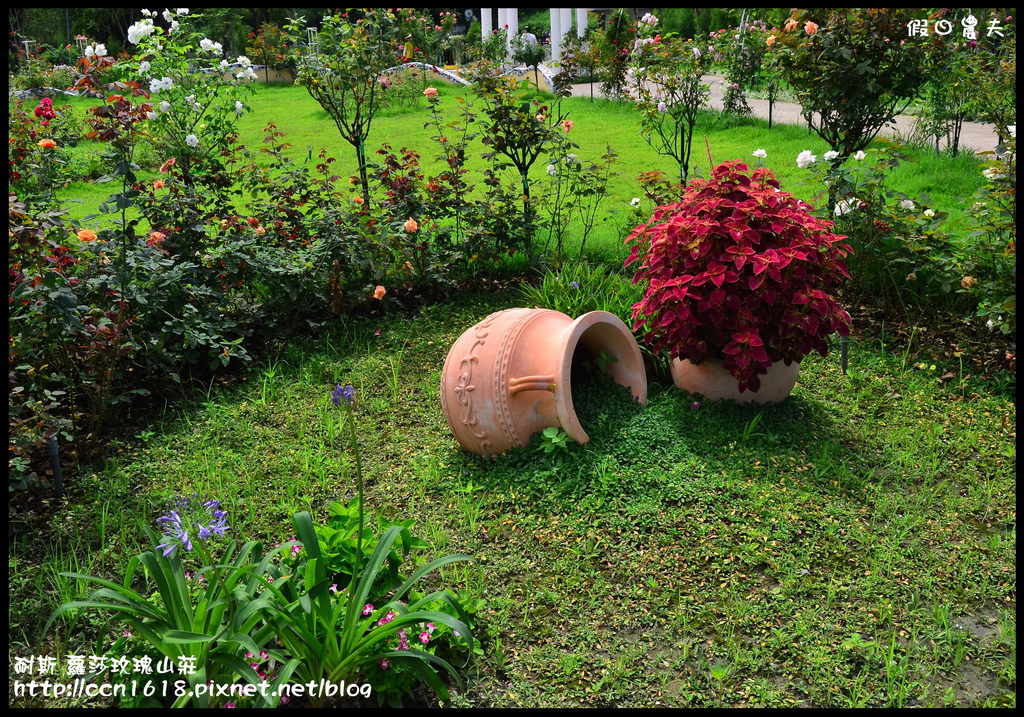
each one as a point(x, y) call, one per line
point(852, 546)
point(242, 348)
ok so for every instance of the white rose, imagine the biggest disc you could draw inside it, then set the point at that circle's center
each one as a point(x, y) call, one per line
point(830, 155)
point(929, 213)
point(760, 153)
point(907, 204)
point(192, 141)
point(860, 155)
point(805, 159)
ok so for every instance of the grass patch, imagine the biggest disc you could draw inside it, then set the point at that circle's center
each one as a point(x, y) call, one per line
point(852, 546)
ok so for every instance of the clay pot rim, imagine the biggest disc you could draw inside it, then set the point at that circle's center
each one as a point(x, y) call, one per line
point(564, 408)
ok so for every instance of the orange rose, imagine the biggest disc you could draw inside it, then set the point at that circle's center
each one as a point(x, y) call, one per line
point(87, 235)
point(359, 200)
point(155, 238)
point(790, 24)
point(379, 292)
point(167, 165)
point(810, 28)
point(411, 226)
point(158, 184)
point(430, 92)
point(47, 143)
point(770, 41)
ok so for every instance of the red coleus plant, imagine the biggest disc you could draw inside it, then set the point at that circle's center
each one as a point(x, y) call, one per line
point(737, 271)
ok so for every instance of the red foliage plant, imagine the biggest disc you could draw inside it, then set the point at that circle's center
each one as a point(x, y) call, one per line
point(736, 271)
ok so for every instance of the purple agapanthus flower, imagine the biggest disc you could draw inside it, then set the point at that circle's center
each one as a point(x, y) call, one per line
point(189, 518)
point(345, 393)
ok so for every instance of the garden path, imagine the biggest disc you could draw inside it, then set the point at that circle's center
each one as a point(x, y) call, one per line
point(975, 135)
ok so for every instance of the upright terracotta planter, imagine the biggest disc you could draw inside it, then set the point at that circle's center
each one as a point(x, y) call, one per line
point(510, 376)
point(712, 381)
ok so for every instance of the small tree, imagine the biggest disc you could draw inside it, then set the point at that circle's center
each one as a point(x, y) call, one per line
point(848, 66)
point(612, 43)
point(343, 71)
point(523, 53)
point(670, 93)
point(269, 47)
point(518, 130)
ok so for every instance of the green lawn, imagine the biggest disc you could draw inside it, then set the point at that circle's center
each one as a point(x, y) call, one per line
point(599, 124)
point(852, 546)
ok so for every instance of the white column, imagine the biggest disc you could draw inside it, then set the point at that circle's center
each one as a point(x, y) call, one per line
point(565, 23)
point(512, 18)
point(485, 22)
point(556, 34)
point(581, 21)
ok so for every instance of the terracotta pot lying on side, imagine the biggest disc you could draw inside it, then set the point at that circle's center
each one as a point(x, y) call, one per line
point(510, 376)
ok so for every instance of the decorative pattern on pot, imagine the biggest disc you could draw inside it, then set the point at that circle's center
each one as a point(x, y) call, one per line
point(510, 376)
point(715, 383)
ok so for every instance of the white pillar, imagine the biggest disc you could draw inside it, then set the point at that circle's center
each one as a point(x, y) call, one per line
point(565, 23)
point(581, 21)
point(485, 22)
point(556, 34)
point(512, 18)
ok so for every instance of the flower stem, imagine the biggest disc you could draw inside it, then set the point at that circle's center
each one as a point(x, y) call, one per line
point(359, 488)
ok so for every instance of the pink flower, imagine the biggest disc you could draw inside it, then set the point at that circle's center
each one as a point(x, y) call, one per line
point(385, 663)
point(424, 637)
point(368, 608)
point(810, 28)
point(430, 92)
point(567, 125)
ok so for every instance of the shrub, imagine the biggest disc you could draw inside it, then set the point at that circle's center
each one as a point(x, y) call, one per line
point(900, 252)
point(736, 272)
point(844, 68)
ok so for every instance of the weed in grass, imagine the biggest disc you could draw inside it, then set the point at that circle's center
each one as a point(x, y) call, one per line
point(750, 427)
point(896, 662)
